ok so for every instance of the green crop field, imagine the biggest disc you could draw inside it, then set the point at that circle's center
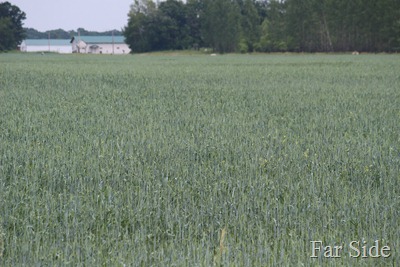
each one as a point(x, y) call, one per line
point(192, 160)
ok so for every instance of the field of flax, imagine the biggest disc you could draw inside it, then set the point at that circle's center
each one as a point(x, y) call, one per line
point(165, 160)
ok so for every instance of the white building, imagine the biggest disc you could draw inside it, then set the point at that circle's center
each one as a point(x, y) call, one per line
point(99, 45)
point(46, 45)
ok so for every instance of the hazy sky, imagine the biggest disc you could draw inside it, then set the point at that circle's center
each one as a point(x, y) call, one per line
point(93, 15)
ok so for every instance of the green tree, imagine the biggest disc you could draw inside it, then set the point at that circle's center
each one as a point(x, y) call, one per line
point(221, 25)
point(58, 34)
point(170, 25)
point(273, 36)
point(11, 31)
point(341, 25)
point(34, 34)
point(176, 29)
point(194, 13)
point(265, 25)
point(250, 25)
point(161, 32)
point(138, 33)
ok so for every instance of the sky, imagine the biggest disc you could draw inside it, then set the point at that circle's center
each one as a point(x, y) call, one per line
point(92, 15)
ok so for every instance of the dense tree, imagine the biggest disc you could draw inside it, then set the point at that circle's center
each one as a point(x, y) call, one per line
point(34, 34)
point(177, 30)
point(58, 34)
point(7, 39)
point(194, 13)
point(221, 25)
point(11, 30)
point(341, 25)
point(273, 37)
point(250, 25)
point(137, 32)
point(265, 25)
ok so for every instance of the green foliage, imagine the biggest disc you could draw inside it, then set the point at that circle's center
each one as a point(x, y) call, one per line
point(166, 160)
point(342, 25)
point(7, 38)
point(273, 37)
point(221, 25)
point(135, 33)
point(178, 29)
point(243, 47)
point(162, 28)
point(266, 26)
point(250, 24)
point(11, 31)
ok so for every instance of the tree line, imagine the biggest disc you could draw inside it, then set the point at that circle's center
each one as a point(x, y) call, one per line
point(62, 34)
point(264, 25)
point(241, 26)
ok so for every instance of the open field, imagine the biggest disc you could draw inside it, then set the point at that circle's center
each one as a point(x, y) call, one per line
point(235, 160)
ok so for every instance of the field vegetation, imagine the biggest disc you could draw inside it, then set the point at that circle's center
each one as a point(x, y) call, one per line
point(192, 160)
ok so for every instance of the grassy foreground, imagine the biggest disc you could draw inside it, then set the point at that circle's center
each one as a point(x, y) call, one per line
point(234, 160)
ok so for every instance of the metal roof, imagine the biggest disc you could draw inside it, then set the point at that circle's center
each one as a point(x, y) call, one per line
point(43, 42)
point(100, 39)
